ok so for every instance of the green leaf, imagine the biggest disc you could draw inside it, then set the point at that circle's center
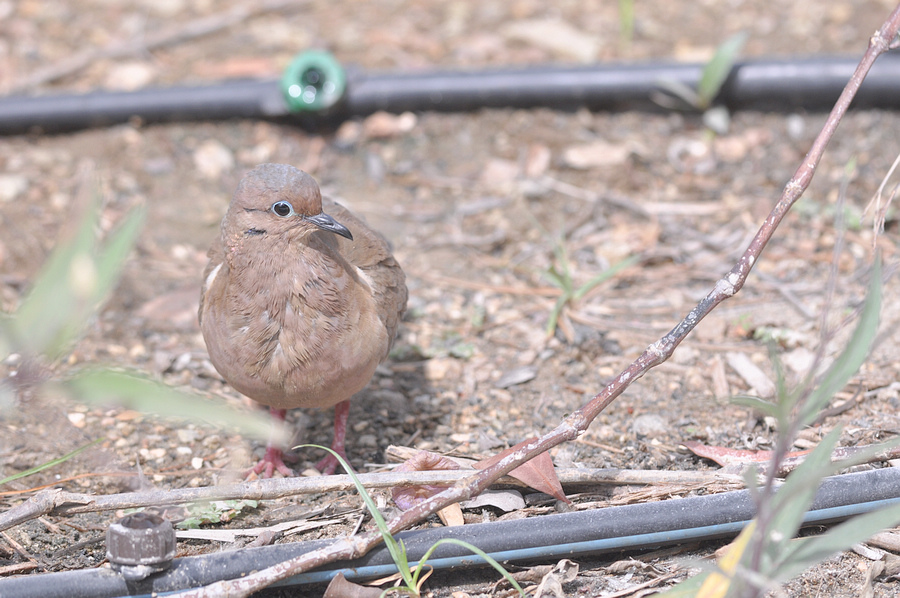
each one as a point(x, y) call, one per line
point(750, 475)
point(626, 21)
point(462, 350)
point(681, 91)
point(687, 588)
point(861, 455)
point(216, 511)
point(808, 551)
point(133, 391)
point(397, 549)
point(49, 307)
point(76, 277)
point(853, 355)
point(716, 71)
point(794, 497)
point(190, 523)
point(757, 404)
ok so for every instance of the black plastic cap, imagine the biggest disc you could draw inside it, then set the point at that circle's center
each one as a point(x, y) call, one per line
point(140, 539)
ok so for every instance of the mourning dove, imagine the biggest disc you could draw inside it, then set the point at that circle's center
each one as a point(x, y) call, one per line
point(299, 305)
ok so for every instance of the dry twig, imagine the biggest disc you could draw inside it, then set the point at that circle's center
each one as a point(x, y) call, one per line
point(59, 502)
point(880, 204)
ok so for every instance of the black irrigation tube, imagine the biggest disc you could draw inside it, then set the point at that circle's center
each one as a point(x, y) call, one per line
point(767, 84)
point(546, 538)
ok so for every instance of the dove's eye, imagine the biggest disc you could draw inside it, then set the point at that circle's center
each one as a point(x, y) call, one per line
point(282, 208)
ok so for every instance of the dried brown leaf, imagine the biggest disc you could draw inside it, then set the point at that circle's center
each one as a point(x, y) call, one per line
point(538, 473)
point(407, 497)
point(727, 456)
point(341, 588)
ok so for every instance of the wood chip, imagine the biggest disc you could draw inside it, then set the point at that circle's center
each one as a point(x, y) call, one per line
point(452, 516)
point(758, 381)
point(516, 376)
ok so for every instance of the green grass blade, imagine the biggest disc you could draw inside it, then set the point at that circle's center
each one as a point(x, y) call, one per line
point(487, 558)
point(560, 253)
point(554, 278)
point(853, 355)
point(603, 276)
point(680, 91)
point(561, 267)
point(717, 70)
point(51, 463)
point(397, 550)
point(787, 398)
point(687, 588)
point(626, 21)
point(554, 313)
point(102, 386)
point(5, 335)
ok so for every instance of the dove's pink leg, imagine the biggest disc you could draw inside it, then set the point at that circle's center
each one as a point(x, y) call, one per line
point(273, 460)
point(341, 414)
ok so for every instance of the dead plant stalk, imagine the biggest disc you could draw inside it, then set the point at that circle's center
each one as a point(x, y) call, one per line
point(578, 422)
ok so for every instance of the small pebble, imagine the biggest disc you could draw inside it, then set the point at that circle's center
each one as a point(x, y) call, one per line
point(381, 125)
point(516, 376)
point(649, 425)
point(367, 440)
point(212, 159)
point(129, 76)
point(12, 186)
point(596, 155)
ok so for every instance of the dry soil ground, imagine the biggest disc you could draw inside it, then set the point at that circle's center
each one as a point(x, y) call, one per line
point(475, 205)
